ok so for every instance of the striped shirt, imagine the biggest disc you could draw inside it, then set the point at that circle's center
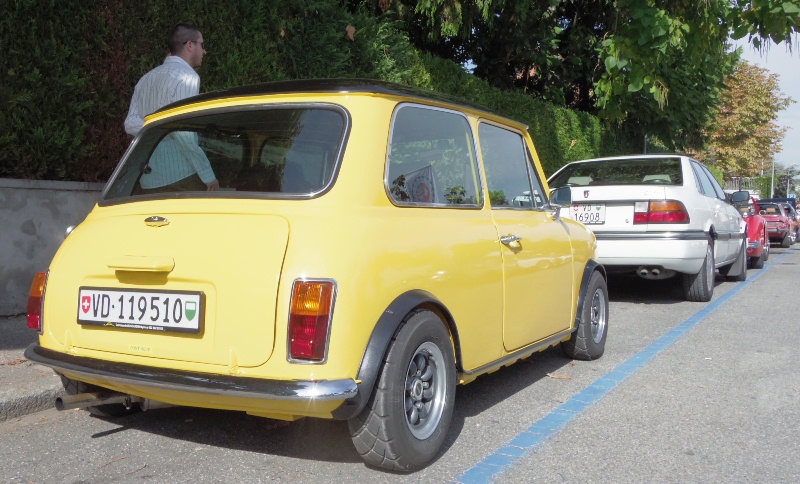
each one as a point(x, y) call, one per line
point(178, 155)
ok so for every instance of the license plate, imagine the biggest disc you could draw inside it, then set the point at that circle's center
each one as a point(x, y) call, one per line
point(173, 311)
point(589, 213)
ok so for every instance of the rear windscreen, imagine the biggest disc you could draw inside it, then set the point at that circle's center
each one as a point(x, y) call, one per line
point(278, 151)
point(662, 171)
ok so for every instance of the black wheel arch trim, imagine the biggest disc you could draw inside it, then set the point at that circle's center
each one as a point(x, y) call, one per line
point(382, 334)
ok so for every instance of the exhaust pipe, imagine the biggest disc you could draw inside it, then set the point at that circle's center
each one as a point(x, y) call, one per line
point(83, 400)
point(654, 273)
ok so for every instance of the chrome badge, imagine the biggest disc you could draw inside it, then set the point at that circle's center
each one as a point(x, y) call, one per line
point(156, 221)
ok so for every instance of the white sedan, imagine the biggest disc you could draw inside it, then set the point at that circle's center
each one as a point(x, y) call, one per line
point(658, 216)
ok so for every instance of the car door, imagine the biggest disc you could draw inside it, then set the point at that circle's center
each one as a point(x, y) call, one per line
point(725, 218)
point(536, 249)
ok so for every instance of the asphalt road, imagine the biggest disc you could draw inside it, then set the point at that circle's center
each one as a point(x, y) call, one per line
point(715, 399)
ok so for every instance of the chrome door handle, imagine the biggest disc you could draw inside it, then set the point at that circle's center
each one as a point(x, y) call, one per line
point(510, 240)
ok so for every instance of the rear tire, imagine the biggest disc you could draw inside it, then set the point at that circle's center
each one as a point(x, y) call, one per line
point(787, 241)
point(405, 421)
point(700, 287)
point(758, 262)
point(112, 410)
point(588, 342)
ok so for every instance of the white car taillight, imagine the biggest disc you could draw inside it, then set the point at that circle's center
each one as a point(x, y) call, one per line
point(660, 212)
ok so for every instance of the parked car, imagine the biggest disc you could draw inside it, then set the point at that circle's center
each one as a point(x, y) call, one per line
point(371, 246)
point(757, 234)
point(790, 206)
point(780, 226)
point(793, 218)
point(658, 216)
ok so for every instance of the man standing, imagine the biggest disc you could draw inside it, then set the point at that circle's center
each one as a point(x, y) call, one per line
point(178, 163)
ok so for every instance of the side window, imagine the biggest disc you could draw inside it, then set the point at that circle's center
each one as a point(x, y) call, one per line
point(431, 159)
point(508, 169)
point(714, 183)
point(705, 183)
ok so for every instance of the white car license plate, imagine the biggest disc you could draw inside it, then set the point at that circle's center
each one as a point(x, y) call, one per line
point(175, 311)
point(589, 213)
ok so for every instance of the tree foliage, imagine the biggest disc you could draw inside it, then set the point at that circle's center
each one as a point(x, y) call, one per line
point(762, 21)
point(744, 137)
point(68, 68)
point(651, 67)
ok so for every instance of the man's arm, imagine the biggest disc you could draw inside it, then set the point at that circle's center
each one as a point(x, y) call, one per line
point(187, 143)
point(188, 86)
point(133, 121)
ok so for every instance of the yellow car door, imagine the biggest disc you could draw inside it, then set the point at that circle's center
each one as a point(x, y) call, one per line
point(536, 249)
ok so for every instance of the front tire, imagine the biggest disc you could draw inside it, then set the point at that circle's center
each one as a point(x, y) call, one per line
point(588, 342)
point(405, 421)
point(700, 287)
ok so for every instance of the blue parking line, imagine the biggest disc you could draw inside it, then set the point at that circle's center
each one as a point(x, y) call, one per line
point(524, 443)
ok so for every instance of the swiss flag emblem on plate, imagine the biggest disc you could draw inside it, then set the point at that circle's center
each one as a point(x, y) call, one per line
point(86, 303)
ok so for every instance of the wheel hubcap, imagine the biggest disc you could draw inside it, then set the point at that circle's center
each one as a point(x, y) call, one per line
point(598, 316)
point(425, 390)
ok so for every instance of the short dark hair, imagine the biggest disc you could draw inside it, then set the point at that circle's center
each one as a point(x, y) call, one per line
point(179, 35)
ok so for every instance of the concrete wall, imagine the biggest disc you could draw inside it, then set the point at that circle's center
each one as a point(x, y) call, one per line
point(34, 216)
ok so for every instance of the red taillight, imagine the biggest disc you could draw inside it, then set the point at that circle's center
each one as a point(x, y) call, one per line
point(660, 212)
point(309, 320)
point(35, 299)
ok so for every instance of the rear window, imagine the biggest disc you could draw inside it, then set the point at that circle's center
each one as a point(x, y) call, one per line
point(281, 151)
point(662, 171)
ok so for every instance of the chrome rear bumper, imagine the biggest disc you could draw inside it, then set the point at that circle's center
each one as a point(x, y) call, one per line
point(193, 382)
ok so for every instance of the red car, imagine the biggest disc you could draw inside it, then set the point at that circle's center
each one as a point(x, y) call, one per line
point(757, 234)
point(793, 217)
point(780, 226)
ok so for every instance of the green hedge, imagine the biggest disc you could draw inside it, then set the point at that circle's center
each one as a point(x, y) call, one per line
point(68, 68)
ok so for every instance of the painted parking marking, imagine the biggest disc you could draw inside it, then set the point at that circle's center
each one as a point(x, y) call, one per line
point(524, 443)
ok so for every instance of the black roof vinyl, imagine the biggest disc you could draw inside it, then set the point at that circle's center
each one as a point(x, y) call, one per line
point(334, 85)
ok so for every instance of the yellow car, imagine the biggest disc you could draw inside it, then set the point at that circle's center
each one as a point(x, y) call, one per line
point(370, 247)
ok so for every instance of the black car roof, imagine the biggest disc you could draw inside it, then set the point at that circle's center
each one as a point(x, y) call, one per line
point(334, 85)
